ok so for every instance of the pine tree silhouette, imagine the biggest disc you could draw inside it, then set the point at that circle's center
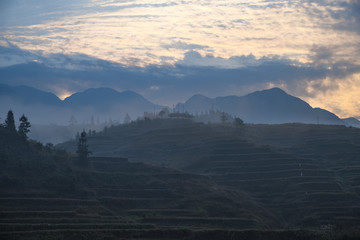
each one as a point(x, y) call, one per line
point(24, 127)
point(83, 150)
point(10, 122)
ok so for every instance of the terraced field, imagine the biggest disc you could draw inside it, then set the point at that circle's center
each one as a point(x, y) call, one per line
point(186, 180)
point(304, 175)
point(120, 196)
point(300, 190)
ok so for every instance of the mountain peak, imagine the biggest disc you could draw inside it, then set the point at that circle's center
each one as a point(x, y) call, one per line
point(270, 92)
point(198, 97)
point(275, 90)
point(29, 95)
point(104, 92)
point(105, 99)
point(267, 106)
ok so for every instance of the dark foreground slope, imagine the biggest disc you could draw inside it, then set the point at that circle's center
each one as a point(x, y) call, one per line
point(304, 175)
point(44, 195)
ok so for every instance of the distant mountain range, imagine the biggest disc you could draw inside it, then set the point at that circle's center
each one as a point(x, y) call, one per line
point(352, 122)
point(270, 106)
point(28, 95)
point(44, 107)
point(107, 99)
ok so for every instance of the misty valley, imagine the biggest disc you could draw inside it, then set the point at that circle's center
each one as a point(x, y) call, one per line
point(109, 165)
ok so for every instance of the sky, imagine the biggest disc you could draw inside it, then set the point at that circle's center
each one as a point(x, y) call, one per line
point(171, 50)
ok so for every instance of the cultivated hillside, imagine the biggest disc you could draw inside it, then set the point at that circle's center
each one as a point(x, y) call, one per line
point(45, 194)
point(287, 169)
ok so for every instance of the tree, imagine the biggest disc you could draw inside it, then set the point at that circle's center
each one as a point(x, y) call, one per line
point(83, 150)
point(238, 122)
point(164, 113)
point(127, 118)
point(224, 117)
point(72, 121)
point(77, 137)
point(10, 122)
point(24, 126)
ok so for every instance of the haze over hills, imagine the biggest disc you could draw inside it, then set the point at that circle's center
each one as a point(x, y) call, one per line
point(267, 106)
point(352, 122)
point(44, 108)
point(107, 99)
point(28, 95)
point(270, 106)
point(304, 175)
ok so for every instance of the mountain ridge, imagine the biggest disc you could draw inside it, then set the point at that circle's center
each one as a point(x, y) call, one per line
point(43, 107)
point(29, 95)
point(270, 106)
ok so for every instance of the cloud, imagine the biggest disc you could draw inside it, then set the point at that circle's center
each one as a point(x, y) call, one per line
point(322, 55)
point(161, 32)
point(194, 58)
point(339, 15)
point(208, 75)
point(183, 46)
point(12, 55)
point(352, 15)
point(154, 88)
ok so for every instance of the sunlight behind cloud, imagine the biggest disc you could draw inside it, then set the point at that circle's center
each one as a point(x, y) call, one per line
point(135, 32)
point(342, 98)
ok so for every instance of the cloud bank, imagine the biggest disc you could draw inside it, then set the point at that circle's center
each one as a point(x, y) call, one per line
point(322, 83)
point(148, 32)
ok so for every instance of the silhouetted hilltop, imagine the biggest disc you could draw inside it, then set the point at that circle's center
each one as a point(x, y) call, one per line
point(28, 95)
point(102, 99)
point(44, 108)
point(267, 106)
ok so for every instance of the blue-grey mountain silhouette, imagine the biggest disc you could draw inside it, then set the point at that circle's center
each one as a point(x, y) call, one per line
point(43, 107)
point(267, 106)
point(352, 122)
point(104, 99)
point(28, 95)
point(270, 106)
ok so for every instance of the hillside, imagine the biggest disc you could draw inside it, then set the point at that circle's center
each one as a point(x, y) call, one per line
point(304, 175)
point(212, 183)
point(43, 193)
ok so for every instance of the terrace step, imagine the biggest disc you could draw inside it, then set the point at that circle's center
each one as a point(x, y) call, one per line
point(202, 222)
point(7, 228)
